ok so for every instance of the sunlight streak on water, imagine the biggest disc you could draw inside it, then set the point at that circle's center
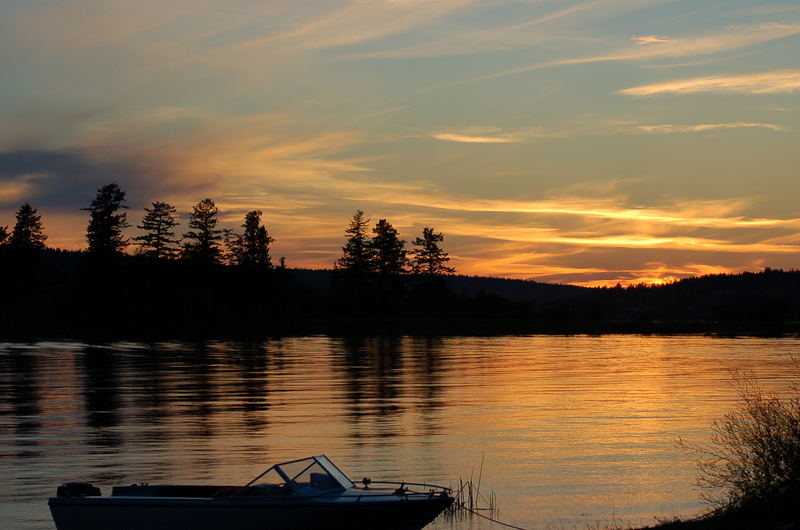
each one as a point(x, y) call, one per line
point(574, 429)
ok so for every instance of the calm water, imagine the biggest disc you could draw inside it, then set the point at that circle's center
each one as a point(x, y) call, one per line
point(572, 430)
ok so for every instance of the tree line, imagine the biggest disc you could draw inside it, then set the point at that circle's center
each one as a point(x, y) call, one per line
point(203, 244)
point(364, 258)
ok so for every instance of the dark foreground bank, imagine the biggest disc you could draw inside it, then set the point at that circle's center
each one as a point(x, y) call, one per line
point(779, 512)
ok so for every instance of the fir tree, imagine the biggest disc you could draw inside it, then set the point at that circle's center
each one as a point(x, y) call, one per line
point(3, 235)
point(158, 241)
point(107, 221)
point(28, 232)
point(201, 243)
point(428, 258)
point(388, 251)
point(251, 249)
point(356, 259)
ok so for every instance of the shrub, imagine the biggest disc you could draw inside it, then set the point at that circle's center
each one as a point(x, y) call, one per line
point(754, 450)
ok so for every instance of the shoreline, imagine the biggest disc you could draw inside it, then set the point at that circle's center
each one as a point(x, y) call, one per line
point(424, 327)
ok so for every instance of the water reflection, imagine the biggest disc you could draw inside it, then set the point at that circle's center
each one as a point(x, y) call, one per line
point(19, 391)
point(249, 379)
point(148, 372)
point(428, 374)
point(575, 430)
point(102, 394)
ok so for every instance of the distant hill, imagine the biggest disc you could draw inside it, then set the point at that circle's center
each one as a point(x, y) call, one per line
point(767, 296)
point(514, 290)
point(319, 281)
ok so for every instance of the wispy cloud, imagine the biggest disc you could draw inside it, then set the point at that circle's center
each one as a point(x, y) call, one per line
point(670, 128)
point(380, 113)
point(708, 213)
point(627, 238)
point(463, 138)
point(465, 41)
point(775, 82)
point(355, 21)
point(547, 27)
point(493, 135)
point(730, 39)
point(650, 39)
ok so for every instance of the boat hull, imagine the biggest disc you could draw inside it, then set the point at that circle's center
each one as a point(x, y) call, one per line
point(412, 512)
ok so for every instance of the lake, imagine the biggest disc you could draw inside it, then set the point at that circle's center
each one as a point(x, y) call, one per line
point(566, 431)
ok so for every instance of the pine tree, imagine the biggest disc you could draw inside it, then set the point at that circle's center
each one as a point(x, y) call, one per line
point(3, 235)
point(107, 221)
point(428, 258)
point(251, 249)
point(201, 245)
point(159, 240)
point(356, 259)
point(389, 254)
point(28, 232)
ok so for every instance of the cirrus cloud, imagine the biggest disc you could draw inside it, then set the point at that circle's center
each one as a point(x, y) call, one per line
point(702, 127)
point(774, 82)
point(493, 135)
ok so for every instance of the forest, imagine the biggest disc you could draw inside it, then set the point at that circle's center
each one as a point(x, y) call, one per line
point(220, 283)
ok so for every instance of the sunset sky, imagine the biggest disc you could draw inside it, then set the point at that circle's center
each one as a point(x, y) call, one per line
point(587, 142)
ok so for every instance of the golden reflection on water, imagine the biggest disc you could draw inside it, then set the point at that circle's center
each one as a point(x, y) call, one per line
point(572, 429)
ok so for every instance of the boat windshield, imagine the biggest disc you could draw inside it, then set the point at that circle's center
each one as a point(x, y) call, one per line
point(308, 475)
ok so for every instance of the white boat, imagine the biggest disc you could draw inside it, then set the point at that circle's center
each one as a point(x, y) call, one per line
point(302, 494)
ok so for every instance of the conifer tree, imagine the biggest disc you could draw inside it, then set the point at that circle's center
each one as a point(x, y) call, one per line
point(28, 232)
point(428, 257)
point(388, 251)
point(159, 240)
point(107, 222)
point(3, 235)
point(357, 253)
point(251, 249)
point(201, 243)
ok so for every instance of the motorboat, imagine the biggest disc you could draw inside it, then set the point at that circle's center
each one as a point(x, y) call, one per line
point(301, 494)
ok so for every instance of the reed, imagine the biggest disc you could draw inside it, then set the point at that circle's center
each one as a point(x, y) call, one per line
point(470, 500)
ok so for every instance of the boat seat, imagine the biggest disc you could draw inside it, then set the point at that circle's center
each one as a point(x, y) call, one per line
point(323, 481)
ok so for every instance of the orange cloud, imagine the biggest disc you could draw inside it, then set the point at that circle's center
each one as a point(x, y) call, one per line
point(650, 39)
point(775, 82)
point(669, 128)
point(17, 191)
point(659, 274)
point(493, 135)
point(713, 214)
point(463, 138)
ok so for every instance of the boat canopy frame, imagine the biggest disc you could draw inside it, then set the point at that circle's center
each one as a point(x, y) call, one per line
point(332, 471)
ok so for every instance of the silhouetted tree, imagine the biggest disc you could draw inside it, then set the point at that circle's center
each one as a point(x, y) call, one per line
point(107, 221)
point(388, 251)
point(201, 245)
point(251, 249)
point(356, 259)
point(429, 258)
point(159, 240)
point(226, 255)
point(28, 232)
point(3, 235)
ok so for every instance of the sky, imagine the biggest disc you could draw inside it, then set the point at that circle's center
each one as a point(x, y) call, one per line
point(571, 141)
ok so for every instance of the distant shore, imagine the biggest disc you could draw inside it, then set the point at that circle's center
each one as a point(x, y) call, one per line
point(61, 294)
